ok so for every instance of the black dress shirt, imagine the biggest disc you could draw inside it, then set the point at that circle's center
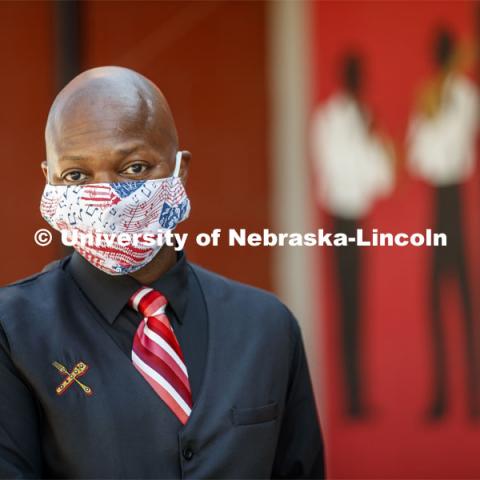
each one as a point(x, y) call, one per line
point(253, 415)
point(186, 310)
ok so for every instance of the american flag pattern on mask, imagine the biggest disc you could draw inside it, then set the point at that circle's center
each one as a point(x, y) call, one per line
point(141, 207)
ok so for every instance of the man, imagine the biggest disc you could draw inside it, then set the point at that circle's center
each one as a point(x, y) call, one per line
point(441, 151)
point(354, 167)
point(126, 362)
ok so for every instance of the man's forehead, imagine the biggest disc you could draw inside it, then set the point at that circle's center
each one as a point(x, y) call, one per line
point(117, 130)
point(109, 108)
point(100, 105)
point(99, 121)
point(111, 143)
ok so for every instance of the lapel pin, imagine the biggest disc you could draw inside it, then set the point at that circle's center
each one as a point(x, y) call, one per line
point(72, 377)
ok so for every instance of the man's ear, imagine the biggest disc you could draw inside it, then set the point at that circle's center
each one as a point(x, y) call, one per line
point(184, 166)
point(45, 169)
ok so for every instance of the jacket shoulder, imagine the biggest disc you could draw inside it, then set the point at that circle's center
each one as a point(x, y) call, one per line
point(31, 290)
point(251, 301)
point(227, 285)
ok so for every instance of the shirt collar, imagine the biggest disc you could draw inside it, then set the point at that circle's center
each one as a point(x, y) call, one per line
point(110, 293)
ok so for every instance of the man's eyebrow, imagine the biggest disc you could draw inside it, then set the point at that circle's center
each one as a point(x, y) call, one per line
point(72, 158)
point(126, 151)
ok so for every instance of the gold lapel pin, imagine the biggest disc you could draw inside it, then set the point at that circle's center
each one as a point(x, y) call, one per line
point(71, 377)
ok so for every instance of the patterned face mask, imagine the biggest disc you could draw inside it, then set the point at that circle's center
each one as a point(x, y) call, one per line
point(99, 212)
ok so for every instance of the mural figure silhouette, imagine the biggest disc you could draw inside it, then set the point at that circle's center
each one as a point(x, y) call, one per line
point(354, 166)
point(441, 151)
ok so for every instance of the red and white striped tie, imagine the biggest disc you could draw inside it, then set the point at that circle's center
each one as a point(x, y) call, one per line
point(156, 353)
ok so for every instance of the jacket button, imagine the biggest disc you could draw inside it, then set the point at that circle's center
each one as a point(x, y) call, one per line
point(187, 453)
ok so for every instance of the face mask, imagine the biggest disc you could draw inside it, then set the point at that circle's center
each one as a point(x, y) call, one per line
point(102, 211)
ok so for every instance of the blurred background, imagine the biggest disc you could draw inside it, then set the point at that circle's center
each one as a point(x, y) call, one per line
point(303, 115)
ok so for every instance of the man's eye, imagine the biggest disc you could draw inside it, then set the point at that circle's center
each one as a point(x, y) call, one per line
point(74, 176)
point(135, 169)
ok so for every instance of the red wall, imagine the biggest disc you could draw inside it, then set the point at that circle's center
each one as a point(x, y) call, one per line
point(27, 88)
point(207, 57)
point(396, 441)
point(209, 60)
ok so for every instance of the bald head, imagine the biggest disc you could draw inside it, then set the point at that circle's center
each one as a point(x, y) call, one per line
point(109, 124)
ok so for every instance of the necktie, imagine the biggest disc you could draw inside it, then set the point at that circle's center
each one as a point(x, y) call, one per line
point(156, 353)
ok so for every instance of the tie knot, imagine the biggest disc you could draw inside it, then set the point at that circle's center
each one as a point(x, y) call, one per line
point(148, 302)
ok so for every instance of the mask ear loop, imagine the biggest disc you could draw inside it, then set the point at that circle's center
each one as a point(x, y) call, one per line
point(178, 161)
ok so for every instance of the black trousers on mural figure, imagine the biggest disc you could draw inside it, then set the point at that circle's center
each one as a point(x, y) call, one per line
point(348, 268)
point(450, 261)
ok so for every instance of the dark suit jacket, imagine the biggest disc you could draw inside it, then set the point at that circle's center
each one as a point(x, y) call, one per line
point(251, 420)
